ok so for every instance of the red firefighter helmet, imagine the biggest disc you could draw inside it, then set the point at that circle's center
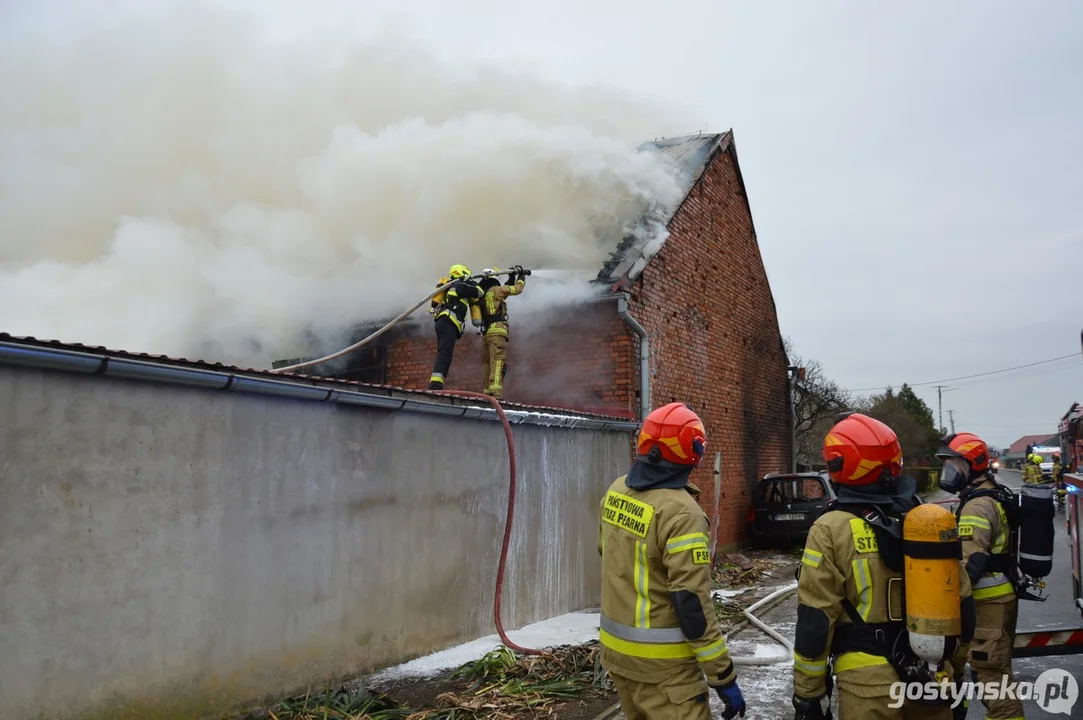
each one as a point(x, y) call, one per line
point(967, 446)
point(858, 449)
point(672, 434)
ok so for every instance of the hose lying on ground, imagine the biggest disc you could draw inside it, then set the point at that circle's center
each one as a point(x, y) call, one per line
point(776, 595)
point(385, 328)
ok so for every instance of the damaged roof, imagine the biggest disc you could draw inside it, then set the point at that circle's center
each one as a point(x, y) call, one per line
point(690, 155)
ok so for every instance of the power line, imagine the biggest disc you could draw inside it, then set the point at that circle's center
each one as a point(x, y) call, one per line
point(976, 375)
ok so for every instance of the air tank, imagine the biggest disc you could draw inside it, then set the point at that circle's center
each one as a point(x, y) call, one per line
point(932, 552)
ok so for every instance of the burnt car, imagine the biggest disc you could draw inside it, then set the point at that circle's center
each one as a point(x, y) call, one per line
point(784, 506)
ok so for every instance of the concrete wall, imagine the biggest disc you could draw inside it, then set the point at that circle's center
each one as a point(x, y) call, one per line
point(169, 552)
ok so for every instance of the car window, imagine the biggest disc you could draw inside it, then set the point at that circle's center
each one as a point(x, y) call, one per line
point(812, 489)
point(784, 490)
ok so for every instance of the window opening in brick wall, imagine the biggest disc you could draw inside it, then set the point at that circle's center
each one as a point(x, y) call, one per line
point(367, 365)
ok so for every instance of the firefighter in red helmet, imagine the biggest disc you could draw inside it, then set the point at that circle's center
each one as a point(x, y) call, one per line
point(850, 615)
point(661, 641)
point(986, 536)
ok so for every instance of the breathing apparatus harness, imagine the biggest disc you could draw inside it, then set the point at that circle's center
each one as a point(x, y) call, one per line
point(1006, 562)
point(889, 640)
point(501, 312)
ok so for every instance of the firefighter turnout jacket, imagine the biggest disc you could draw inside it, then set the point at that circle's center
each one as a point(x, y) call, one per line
point(494, 309)
point(842, 563)
point(454, 303)
point(657, 618)
point(985, 535)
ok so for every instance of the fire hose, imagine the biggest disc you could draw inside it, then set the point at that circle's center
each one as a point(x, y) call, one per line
point(499, 592)
point(512, 474)
point(507, 523)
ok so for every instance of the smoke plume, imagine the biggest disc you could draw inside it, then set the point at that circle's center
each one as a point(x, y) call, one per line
point(181, 180)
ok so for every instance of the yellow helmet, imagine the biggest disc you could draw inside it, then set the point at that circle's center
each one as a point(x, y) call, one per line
point(459, 271)
point(1038, 459)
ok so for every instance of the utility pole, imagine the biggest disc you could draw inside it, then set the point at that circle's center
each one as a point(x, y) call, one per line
point(940, 390)
point(951, 414)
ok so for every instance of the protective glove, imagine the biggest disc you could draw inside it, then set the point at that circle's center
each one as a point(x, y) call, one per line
point(524, 272)
point(810, 708)
point(732, 699)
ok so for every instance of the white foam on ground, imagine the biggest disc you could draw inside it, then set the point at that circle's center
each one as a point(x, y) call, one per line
point(771, 651)
point(569, 629)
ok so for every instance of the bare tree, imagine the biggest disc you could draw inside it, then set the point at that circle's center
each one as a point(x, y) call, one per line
point(817, 400)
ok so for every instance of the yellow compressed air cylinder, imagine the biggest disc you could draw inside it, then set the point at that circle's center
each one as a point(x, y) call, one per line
point(931, 573)
point(475, 314)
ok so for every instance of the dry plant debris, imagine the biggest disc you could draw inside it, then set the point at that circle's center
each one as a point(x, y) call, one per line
point(501, 684)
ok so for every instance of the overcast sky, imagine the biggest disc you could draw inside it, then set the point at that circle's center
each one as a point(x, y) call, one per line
point(913, 168)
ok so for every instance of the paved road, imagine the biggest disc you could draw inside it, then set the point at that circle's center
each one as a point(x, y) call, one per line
point(1057, 611)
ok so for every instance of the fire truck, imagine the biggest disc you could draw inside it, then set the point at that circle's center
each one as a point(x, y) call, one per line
point(1065, 640)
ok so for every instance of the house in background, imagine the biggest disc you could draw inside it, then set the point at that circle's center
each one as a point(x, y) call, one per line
point(1016, 454)
point(693, 320)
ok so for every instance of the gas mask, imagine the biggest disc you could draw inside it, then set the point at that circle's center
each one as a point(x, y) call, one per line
point(955, 475)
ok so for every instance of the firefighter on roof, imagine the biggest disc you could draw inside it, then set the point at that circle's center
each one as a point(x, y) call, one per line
point(985, 533)
point(851, 592)
point(449, 310)
point(494, 326)
point(661, 641)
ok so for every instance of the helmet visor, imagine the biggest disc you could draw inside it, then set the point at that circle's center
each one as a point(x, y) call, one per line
point(955, 475)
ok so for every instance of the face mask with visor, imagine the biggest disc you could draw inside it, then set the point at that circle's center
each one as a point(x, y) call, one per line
point(955, 475)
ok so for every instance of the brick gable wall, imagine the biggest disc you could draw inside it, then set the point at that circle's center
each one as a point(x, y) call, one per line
point(715, 344)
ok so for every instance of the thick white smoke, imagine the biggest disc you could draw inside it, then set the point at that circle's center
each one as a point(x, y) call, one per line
point(176, 181)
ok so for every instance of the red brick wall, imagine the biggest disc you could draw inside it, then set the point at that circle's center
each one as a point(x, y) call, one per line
point(580, 359)
point(710, 318)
